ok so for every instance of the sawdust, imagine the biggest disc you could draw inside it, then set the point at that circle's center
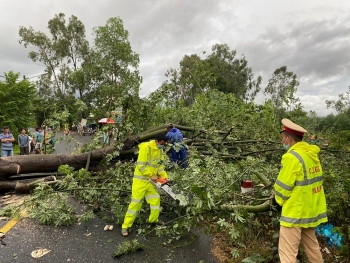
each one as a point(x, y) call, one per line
point(10, 199)
point(220, 252)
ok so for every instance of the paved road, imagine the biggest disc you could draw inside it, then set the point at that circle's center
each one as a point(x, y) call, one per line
point(88, 242)
point(69, 144)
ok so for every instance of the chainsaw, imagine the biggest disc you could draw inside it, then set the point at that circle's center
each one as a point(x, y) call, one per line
point(163, 186)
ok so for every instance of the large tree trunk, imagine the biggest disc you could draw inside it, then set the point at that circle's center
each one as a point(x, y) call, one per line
point(25, 186)
point(22, 164)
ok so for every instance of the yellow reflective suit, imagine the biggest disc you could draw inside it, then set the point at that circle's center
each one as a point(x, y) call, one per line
point(149, 162)
point(299, 187)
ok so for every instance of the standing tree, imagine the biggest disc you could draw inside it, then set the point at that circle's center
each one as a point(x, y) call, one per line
point(220, 70)
point(282, 88)
point(116, 66)
point(102, 78)
point(342, 105)
point(232, 74)
point(61, 54)
point(18, 96)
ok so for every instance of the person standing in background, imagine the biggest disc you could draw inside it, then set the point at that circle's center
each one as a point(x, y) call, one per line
point(38, 140)
point(23, 142)
point(6, 142)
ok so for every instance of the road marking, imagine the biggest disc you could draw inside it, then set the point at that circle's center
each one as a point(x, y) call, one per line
point(12, 223)
point(9, 225)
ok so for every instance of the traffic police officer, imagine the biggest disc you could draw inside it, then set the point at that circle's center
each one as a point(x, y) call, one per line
point(299, 190)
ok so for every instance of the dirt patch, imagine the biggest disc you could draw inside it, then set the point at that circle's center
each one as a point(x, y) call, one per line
point(221, 253)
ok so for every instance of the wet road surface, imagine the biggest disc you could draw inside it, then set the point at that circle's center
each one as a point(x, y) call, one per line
point(88, 242)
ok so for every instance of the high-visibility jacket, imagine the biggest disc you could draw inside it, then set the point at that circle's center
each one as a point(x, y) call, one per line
point(149, 161)
point(299, 189)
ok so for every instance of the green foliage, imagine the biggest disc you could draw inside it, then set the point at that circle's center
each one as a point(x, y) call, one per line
point(18, 95)
point(50, 207)
point(337, 185)
point(281, 89)
point(220, 70)
point(342, 105)
point(86, 217)
point(61, 54)
point(119, 64)
point(127, 247)
point(232, 74)
point(254, 258)
point(11, 211)
point(73, 68)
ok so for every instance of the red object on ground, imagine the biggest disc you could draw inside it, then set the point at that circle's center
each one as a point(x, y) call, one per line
point(246, 186)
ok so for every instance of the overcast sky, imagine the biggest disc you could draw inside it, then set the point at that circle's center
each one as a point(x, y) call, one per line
point(311, 38)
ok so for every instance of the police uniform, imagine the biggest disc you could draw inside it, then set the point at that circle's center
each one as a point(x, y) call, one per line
point(299, 190)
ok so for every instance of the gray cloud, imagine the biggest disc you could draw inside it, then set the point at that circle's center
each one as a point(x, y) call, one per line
point(310, 37)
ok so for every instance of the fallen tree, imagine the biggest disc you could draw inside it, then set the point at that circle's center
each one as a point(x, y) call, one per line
point(23, 164)
point(25, 186)
point(197, 139)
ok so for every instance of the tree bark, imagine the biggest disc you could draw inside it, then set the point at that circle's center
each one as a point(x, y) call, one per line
point(22, 164)
point(264, 207)
point(25, 186)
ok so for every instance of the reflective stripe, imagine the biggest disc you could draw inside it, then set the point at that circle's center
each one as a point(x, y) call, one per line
point(150, 156)
point(281, 195)
point(152, 196)
point(155, 207)
point(306, 181)
point(140, 177)
point(143, 165)
point(301, 161)
point(136, 200)
point(303, 220)
point(131, 212)
point(284, 186)
point(309, 181)
point(160, 170)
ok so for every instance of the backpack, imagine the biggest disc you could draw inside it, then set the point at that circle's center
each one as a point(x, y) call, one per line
point(39, 137)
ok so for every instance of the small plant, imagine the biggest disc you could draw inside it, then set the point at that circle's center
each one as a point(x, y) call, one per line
point(10, 211)
point(128, 247)
point(254, 258)
point(49, 207)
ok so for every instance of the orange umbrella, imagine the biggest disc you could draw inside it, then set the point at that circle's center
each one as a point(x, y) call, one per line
point(106, 121)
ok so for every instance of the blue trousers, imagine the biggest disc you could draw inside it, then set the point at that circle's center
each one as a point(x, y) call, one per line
point(179, 156)
point(5, 153)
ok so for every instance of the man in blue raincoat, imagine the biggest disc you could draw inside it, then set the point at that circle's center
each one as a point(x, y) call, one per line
point(174, 136)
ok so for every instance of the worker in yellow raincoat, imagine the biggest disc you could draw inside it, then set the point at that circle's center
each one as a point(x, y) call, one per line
point(299, 190)
point(148, 166)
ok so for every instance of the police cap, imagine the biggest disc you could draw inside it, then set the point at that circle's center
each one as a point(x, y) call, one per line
point(293, 128)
